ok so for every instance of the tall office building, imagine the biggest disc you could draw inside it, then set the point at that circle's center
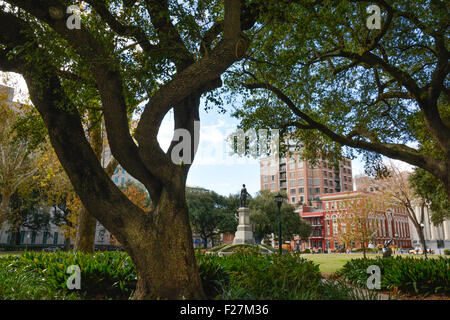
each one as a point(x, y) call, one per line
point(302, 181)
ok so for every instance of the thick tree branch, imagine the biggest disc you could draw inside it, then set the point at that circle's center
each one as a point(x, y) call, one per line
point(395, 151)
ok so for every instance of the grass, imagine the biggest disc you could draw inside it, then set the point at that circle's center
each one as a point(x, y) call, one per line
point(332, 262)
point(10, 253)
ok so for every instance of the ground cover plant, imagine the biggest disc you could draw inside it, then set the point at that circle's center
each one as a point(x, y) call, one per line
point(406, 274)
point(246, 274)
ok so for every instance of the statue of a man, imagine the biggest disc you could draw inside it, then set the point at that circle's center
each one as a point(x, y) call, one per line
point(244, 195)
point(387, 251)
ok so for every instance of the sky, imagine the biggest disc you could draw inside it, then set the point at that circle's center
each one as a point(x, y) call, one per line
point(214, 168)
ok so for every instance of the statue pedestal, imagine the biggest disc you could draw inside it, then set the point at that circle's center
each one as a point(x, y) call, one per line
point(244, 233)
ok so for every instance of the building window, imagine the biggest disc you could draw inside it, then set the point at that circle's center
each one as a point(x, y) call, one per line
point(55, 238)
point(293, 199)
point(292, 183)
point(272, 186)
point(266, 187)
point(265, 179)
point(335, 226)
point(317, 190)
point(301, 199)
point(301, 182)
point(272, 177)
point(33, 237)
point(316, 182)
point(116, 180)
point(325, 190)
point(301, 190)
point(293, 191)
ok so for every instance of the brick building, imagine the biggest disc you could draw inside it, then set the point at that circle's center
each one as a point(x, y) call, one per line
point(323, 215)
point(302, 181)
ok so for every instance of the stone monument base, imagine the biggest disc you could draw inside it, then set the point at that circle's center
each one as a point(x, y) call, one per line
point(244, 232)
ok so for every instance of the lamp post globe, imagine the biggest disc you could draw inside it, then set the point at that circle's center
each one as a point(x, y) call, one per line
point(279, 200)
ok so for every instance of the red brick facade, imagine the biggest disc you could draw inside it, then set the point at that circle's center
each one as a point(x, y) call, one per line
point(324, 214)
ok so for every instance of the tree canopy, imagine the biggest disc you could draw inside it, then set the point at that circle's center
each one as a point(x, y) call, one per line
point(210, 213)
point(316, 71)
point(264, 218)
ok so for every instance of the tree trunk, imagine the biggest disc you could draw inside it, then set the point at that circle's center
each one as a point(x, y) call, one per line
point(164, 255)
point(67, 244)
point(364, 250)
point(205, 242)
point(4, 208)
point(85, 238)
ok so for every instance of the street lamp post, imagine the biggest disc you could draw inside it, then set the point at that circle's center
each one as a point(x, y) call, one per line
point(396, 242)
point(279, 200)
point(424, 242)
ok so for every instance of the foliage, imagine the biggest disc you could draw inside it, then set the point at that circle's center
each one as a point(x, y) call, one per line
point(210, 212)
point(413, 275)
point(247, 274)
point(322, 77)
point(106, 274)
point(447, 252)
point(137, 194)
point(213, 273)
point(264, 217)
point(271, 276)
point(18, 157)
point(428, 187)
point(357, 221)
point(24, 284)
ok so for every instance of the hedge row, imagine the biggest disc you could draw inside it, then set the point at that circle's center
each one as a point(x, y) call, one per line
point(408, 274)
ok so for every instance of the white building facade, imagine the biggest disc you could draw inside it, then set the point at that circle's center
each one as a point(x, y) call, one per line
point(436, 237)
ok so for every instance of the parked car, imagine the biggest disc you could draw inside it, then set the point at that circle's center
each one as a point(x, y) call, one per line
point(420, 251)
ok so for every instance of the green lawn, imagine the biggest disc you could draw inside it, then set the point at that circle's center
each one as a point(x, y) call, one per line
point(329, 263)
point(8, 253)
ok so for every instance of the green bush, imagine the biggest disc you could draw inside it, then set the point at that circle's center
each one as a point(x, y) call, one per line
point(106, 274)
point(306, 251)
point(271, 276)
point(447, 252)
point(24, 284)
point(368, 250)
point(213, 274)
point(407, 274)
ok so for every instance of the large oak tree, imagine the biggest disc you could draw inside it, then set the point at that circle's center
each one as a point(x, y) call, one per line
point(167, 54)
point(329, 81)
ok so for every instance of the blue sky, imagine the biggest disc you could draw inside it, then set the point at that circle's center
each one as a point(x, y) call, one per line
point(213, 168)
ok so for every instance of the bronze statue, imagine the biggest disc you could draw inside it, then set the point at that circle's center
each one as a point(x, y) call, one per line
point(244, 195)
point(387, 251)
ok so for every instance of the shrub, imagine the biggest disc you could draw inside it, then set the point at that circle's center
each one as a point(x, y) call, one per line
point(271, 276)
point(413, 275)
point(368, 250)
point(106, 274)
point(213, 274)
point(306, 251)
point(447, 252)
